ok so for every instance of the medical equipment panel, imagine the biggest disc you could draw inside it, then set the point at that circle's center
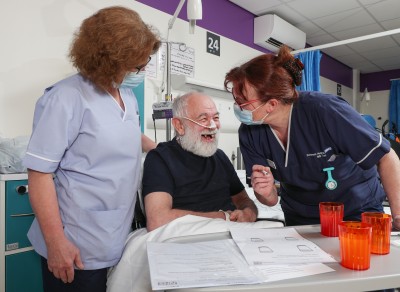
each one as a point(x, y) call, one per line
point(20, 268)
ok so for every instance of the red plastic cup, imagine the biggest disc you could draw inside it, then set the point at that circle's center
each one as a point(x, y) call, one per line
point(381, 229)
point(330, 214)
point(355, 244)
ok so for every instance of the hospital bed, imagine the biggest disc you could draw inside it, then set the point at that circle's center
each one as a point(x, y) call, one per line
point(132, 272)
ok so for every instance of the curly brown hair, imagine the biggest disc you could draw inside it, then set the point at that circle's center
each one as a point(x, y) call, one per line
point(267, 74)
point(110, 43)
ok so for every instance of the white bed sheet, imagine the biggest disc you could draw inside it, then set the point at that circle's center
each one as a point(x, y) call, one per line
point(132, 272)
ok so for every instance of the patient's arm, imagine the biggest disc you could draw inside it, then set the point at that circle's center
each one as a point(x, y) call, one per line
point(159, 210)
point(246, 209)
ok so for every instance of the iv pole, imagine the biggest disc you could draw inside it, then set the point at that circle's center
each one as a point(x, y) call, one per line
point(194, 11)
point(168, 95)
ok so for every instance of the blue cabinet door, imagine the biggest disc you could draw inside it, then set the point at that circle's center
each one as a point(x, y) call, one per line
point(24, 272)
point(18, 217)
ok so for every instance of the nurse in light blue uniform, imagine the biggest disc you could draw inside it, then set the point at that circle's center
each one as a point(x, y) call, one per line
point(84, 155)
point(93, 148)
point(316, 145)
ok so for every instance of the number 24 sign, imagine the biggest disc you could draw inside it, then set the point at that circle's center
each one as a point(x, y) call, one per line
point(213, 43)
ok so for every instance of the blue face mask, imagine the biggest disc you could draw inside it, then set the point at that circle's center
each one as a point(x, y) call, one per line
point(133, 79)
point(246, 116)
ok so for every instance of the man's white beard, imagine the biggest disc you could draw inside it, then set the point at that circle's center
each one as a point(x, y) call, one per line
point(192, 142)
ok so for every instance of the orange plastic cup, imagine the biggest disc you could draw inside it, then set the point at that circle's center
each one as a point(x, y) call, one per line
point(381, 229)
point(330, 214)
point(355, 244)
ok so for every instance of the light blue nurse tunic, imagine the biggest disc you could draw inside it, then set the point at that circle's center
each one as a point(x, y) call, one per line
point(93, 148)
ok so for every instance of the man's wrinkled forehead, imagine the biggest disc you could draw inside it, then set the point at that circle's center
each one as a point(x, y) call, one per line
point(201, 105)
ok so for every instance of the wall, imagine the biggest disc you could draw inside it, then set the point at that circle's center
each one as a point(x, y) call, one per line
point(329, 86)
point(38, 34)
point(209, 69)
point(238, 26)
point(378, 107)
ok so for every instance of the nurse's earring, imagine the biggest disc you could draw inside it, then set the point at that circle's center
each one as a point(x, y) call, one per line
point(330, 183)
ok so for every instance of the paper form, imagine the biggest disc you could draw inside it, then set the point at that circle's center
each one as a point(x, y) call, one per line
point(277, 246)
point(270, 273)
point(202, 264)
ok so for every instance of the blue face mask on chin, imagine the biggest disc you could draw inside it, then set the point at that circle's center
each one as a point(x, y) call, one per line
point(133, 79)
point(246, 116)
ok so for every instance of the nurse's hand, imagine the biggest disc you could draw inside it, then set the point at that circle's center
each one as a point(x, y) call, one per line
point(62, 256)
point(263, 183)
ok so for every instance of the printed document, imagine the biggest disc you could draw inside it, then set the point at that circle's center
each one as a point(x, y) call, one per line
point(277, 246)
point(201, 264)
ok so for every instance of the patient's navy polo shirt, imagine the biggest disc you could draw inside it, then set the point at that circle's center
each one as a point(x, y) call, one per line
point(324, 131)
point(196, 183)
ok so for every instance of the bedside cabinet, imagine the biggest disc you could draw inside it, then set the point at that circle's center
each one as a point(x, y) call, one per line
point(20, 267)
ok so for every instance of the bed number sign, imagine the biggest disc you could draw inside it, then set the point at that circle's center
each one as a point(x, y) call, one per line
point(339, 89)
point(213, 43)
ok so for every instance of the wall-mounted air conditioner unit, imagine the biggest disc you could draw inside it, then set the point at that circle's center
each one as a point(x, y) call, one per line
point(271, 32)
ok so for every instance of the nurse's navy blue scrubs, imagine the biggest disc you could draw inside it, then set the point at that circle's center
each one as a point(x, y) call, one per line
point(324, 132)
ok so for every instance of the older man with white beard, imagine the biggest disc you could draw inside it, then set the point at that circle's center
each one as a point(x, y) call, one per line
point(190, 175)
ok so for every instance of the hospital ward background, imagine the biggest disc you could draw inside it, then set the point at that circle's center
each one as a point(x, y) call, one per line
point(359, 63)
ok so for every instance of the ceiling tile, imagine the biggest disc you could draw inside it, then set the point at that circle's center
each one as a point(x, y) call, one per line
point(345, 20)
point(357, 32)
point(385, 10)
point(287, 13)
point(353, 58)
point(366, 67)
point(391, 66)
point(373, 44)
point(396, 38)
point(338, 51)
point(392, 53)
point(317, 8)
point(320, 40)
point(388, 62)
point(326, 22)
point(311, 29)
point(391, 24)
point(256, 6)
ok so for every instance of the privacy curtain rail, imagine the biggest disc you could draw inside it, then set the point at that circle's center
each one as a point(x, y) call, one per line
point(349, 41)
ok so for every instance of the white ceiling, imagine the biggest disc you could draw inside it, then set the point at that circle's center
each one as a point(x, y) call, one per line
point(328, 21)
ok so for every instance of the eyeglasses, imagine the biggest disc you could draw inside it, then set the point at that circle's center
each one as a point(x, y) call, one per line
point(241, 105)
point(244, 103)
point(140, 68)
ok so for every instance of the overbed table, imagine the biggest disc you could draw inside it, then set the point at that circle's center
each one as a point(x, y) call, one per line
point(384, 271)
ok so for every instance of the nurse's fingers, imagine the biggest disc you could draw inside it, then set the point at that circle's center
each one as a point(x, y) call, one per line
point(78, 262)
point(56, 273)
point(63, 276)
point(69, 275)
point(264, 179)
point(259, 170)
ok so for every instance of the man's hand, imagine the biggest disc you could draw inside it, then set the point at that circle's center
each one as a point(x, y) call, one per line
point(245, 215)
point(396, 222)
